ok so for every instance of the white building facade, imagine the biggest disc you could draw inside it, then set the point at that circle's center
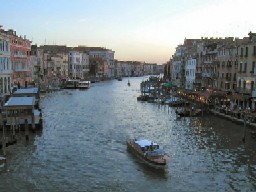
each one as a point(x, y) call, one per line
point(190, 72)
point(5, 64)
point(78, 64)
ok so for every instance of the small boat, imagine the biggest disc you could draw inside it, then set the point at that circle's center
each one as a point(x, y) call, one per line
point(71, 84)
point(84, 84)
point(183, 113)
point(149, 152)
point(2, 162)
point(129, 84)
point(188, 113)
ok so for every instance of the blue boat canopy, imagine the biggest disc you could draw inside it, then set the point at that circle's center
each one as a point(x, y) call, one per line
point(145, 142)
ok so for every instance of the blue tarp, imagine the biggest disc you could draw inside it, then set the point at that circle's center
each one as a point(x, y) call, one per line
point(32, 90)
point(20, 101)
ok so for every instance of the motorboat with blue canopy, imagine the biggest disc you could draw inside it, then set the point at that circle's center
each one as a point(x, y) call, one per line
point(149, 152)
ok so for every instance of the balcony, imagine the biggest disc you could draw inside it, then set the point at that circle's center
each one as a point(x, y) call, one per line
point(20, 69)
point(208, 61)
point(228, 78)
point(244, 90)
point(208, 75)
point(19, 56)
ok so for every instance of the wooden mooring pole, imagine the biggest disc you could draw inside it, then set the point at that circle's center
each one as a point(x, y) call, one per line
point(4, 140)
point(26, 130)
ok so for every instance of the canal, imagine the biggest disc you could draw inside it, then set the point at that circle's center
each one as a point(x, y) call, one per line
point(82, 146)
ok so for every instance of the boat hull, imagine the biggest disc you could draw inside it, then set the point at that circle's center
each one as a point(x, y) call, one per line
point(139, 154)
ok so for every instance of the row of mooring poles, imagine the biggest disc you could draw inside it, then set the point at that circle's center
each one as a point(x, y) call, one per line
point(14, 125)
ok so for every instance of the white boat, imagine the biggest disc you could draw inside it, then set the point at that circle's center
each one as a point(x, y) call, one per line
point(2, 162)
point(71, 84)
point(149, 152)
point(84, 84)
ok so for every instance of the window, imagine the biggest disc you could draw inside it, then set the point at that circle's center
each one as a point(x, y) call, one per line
point(234, 77)
point(246, 52)
point(242, 52)
point(245, 67)
point(236, 64)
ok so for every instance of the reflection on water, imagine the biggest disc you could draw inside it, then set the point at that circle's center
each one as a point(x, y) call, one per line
point(83, 146)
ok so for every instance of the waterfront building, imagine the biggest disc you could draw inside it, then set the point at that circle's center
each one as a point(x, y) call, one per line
point(124, 68)
point(246, 76)
point(208, 60)
point(246, 66)
point(137, 69)
point(178, 66)
point(20, 58)
point(5, 64)
point(78, 64)
point(105, 54)
point(148, 69)
point(223, 64)
point(98, 68)
point(190, 73)
point(227, 64)
point(119, 69)
point(55, 63)
point(36, 62)
point(160, 69)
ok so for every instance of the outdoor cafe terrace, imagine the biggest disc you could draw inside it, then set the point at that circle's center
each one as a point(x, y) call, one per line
point(232, 105)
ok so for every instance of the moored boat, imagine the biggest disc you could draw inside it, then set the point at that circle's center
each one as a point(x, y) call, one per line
point(71, 84)
point(84, 84)
point(149, 152)
point(119, 78)
point(2, 162)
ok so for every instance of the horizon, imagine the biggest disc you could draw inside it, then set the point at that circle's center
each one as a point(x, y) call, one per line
point(146, 31)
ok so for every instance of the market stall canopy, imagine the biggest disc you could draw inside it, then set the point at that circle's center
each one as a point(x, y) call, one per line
point(19, 103)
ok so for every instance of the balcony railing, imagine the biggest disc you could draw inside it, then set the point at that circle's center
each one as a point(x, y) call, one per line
point(228, 78)
point(244, 90)
point(20, 56)
point(21, 69)
point(209, 75)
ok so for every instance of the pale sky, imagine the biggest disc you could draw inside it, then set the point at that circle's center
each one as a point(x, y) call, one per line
point(138, 30)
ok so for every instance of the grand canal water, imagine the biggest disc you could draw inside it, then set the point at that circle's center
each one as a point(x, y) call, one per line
point(82, 147)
